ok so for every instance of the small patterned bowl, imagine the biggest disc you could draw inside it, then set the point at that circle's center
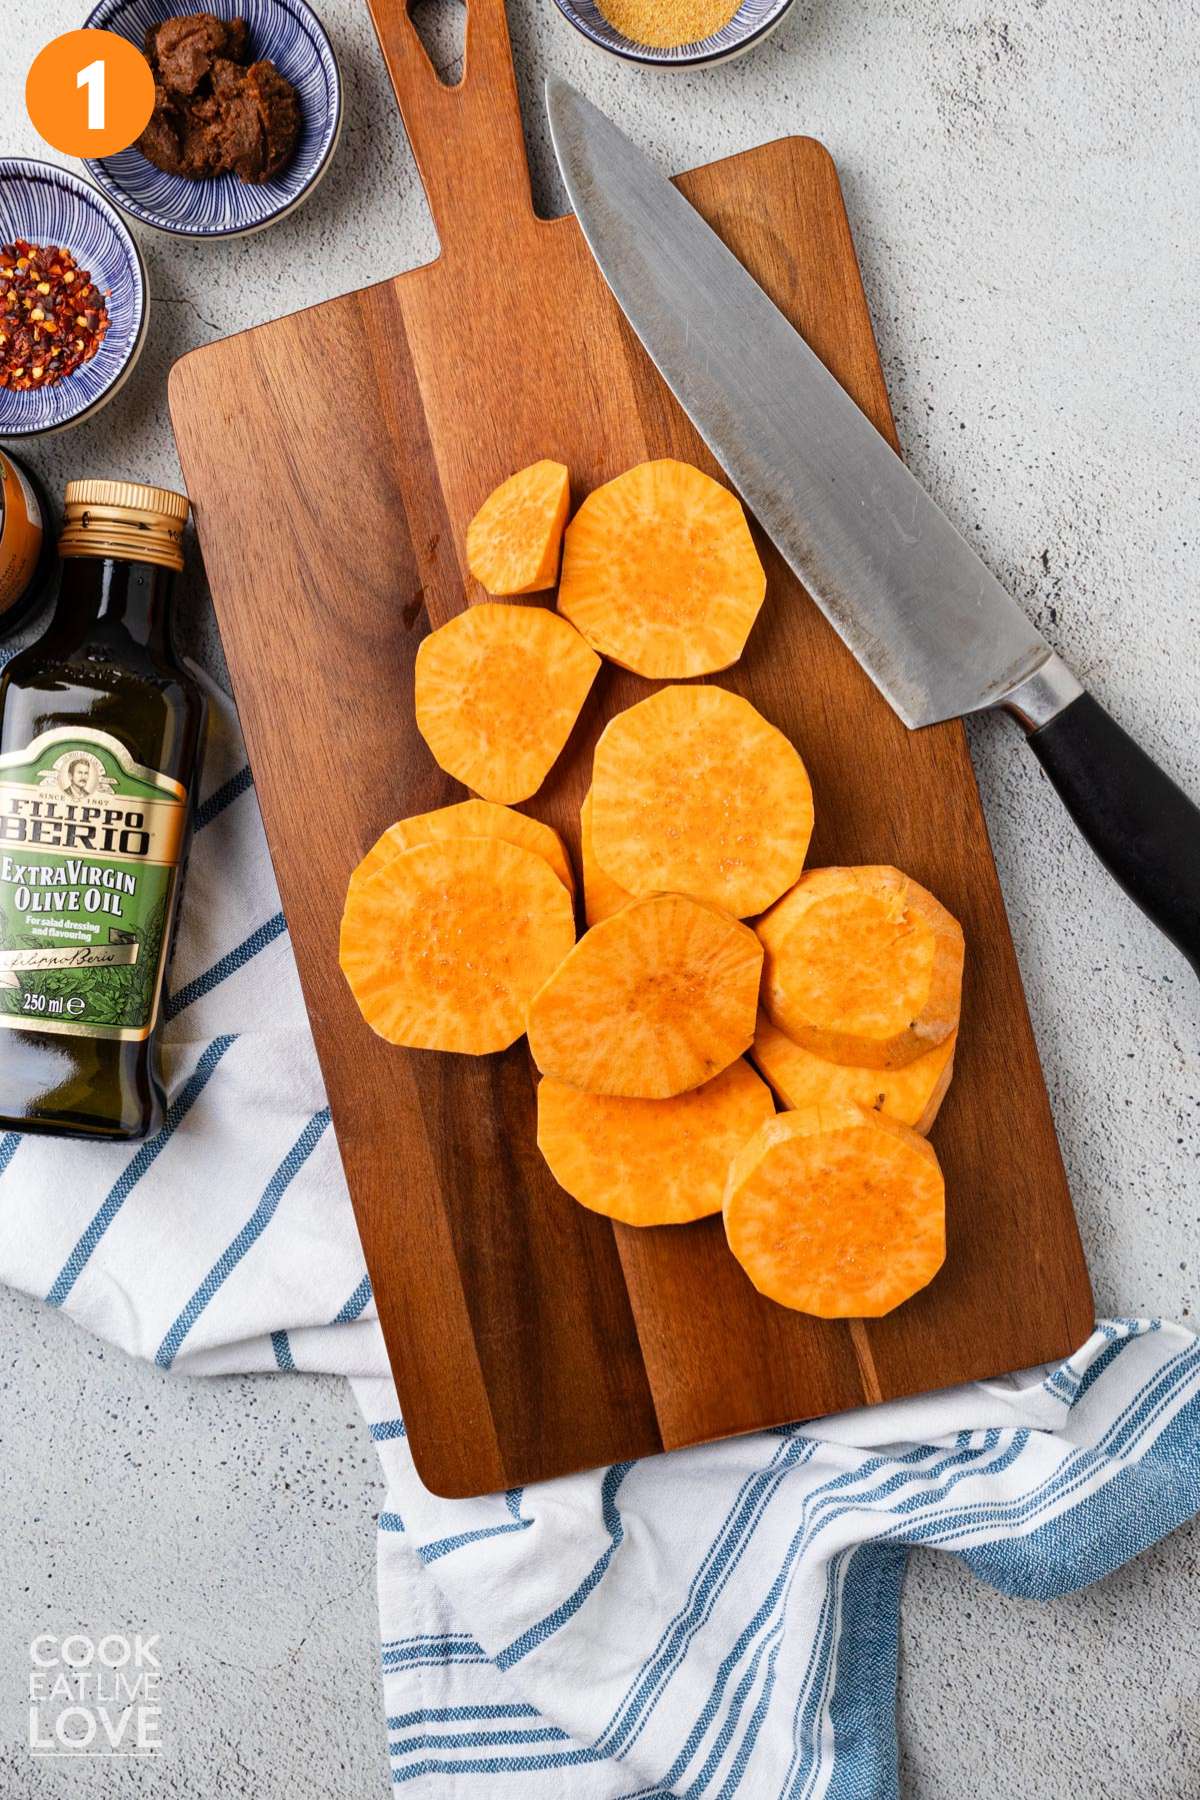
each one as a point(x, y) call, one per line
point(753, 21)
point(47, 205)
point(285, 32)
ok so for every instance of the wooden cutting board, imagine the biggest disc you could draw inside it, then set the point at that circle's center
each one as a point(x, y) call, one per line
point(333, 459)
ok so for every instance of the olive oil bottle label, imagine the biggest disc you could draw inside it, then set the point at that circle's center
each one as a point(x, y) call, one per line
point(89, 854)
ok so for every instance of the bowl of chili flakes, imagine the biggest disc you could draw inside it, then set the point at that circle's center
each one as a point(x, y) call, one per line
point(73, 299)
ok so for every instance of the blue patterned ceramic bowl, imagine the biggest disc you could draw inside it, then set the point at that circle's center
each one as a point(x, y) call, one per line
point(753, 21)
point(47, 205)
point(285, 32)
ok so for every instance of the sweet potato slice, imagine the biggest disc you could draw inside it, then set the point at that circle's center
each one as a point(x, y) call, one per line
point(693, 792)
point(863, 966)
point(497, 692)
point(514, 539)
point(602, 896)
point(469, 818)
point(445, 944)
point(911, 1095)
point(651, 1002)
point(651, 1162)
point(660, 572)
point(838, 1212)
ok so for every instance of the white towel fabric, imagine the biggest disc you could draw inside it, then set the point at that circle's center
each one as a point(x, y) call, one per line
point(718, 1622)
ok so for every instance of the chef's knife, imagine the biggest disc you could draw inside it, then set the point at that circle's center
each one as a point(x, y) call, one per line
point(927, 620)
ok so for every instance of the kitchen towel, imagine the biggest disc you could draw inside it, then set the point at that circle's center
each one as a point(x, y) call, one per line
point(718, 1622)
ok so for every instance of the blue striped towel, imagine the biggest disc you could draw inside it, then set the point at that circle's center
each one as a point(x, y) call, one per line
point(719, 1622)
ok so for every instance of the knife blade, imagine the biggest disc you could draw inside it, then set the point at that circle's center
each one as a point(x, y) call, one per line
point(923, 614)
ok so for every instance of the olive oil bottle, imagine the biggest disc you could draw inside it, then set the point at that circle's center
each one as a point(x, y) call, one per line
point(100, 735)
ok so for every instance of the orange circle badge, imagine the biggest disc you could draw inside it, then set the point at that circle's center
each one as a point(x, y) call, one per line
point(89, 93)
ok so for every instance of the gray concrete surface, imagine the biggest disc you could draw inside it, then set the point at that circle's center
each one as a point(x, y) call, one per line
point(1021, 180)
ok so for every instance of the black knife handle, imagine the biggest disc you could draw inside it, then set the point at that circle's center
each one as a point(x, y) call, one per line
point(1142, 826)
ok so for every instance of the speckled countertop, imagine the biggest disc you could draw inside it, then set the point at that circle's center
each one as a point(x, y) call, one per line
point(1021, 181)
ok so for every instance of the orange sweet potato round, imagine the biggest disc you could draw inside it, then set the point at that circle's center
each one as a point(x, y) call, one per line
point(863, 966)
point(497, 692)
point(514, 539)
point(693, 792)
point(445, 944)
point(836, 1212)
point(660, 572)
point(469, 818)
point(651, 1162)
point(912, 1095)
point(651, 1002)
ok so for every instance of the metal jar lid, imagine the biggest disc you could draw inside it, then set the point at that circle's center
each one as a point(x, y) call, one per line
point(123, 519)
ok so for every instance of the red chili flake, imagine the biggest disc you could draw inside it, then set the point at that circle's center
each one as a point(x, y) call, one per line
point(53, 317)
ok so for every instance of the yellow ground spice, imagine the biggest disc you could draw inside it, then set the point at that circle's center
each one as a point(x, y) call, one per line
point(665, 24)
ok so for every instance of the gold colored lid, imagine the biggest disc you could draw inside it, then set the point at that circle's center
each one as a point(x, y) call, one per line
point(124, 519)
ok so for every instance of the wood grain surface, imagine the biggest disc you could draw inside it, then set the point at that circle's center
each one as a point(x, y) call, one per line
point(333, 459)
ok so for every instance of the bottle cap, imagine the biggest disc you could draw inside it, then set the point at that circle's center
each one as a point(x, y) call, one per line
point(123, 519)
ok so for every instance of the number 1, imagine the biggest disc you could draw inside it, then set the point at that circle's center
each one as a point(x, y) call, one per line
point(92, 78)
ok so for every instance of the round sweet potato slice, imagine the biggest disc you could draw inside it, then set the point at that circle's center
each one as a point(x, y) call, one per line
point(602, 896)
point(651, 1002)
point(469, 818)
point(863, 966)
point(693, 792)
point(911, 1095)
point(497, 692)
point(837, 1212)
point(514, 539)
point(660, 572)
point(651, 1162)
point(445, 944)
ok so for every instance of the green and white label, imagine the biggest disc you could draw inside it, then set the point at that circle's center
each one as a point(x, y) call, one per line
point(89, 853)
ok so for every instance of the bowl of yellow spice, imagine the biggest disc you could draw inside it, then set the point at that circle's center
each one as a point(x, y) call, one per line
point(674, 34)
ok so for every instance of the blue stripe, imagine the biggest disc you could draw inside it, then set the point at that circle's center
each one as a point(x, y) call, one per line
point(441, 1662)
point(497, 1765)
point(388, 1428)
point(10, 1143)
point(390, 1521)
point(537, 1634)
point(121, 1189)
point(771, 1642)
point(442, 1653)
point(283, 1352)
point(425, 1637)
point(355, 1305)
point(228, 965)
point(224, 796)
point(445, 1546)
point(451, 1715)
point(806, 1724)
point(253, 1229)
point(862, 1707)
point(477, 1740)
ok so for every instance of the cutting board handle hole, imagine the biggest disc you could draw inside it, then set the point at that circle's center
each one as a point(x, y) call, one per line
point(441, 26)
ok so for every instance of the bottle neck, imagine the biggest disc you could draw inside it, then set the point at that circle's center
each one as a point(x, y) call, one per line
point(106, 594)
